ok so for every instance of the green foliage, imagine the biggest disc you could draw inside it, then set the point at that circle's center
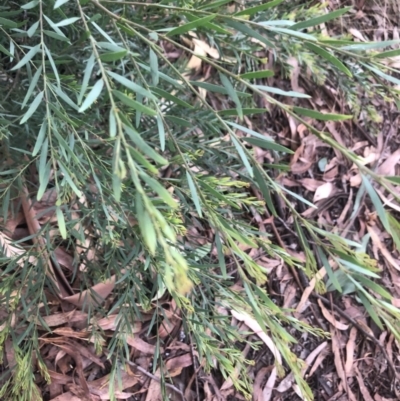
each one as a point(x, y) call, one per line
point(93, 109)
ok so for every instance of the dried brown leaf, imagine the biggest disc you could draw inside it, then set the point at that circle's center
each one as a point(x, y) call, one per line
point(330, 318)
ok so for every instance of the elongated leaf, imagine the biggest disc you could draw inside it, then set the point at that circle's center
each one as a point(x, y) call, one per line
point(172, 98)
point(242, 154)
point(257, 74)
point(40, 138)
point(265, 191)
point(250, 32)
point(131, 85)
point(30, 5)
point(221, 256)
point(61, 222)
point(31, 31)
point(28, 56)
point(321, 116)
point(5, 51)
point(382, 74)
point(232, 93)
point(246, 112)
point(67, 21)
point(113, 56)
point(260, 8)
point(134, 104)
point(267, 144)
point(371, 45)
point(195, 196)
point(144, 147)
point(281, 92)
point(190, 26)
point(160, 190)
point(59, 3)
point(8, 23)
point(329, 57)
point(388, 54)
point(146, 225)
point(32, 86)
point(290, 32)
point(161, 132)
point(86, 76)
point(321, 19)
point(155, 74)
point(32, 108)
point(377, 203)
point(92, 96)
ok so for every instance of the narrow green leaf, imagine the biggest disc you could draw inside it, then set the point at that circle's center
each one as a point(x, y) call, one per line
point(242, 154)
point(131, 85)
point(112, 124)
point(281, 92)
point(331, 274)
point(8, 23)
point(370, 310)
point(155, 75)
point(42, 170)
point(357, 268)
point(67, 21)
point(40, 138)
point(232, 93)
point(56, 36)
point(371, 45)
point(388, 54)
point(382, 74)
point(321, 116)
point(265, 191)
point(92, 96)
point(246, 112)
point(86, 76)
point(31, 31)
point(193, 191)
point(376, 202)
point(329, 57)
point(159, 189)
point(64, 97)
point(321, 19)
point(53, 65)
point(190, 26)
point(32, 108)
point(28, 56)
point(257, 9)
point(59, 3)
point(290, 32)
point(69, 179)
point(179, 121)
point(144, 147)
point(113, 56)
point(221, 256)
point(394, 179)
point(161, 132)
point(134, 104)
point(250, 32)
point(61, 222)
point(139, 158)
point(209, 25)
point(172, 98)
point(249, 131)
point(5, 51)
point(267, 144)
point(32, 86)
point(30, 5)
point(146, 225)
point(44, 178)
point(257, 74)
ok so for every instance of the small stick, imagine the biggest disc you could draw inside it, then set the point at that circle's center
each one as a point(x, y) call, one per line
point(157, 379)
